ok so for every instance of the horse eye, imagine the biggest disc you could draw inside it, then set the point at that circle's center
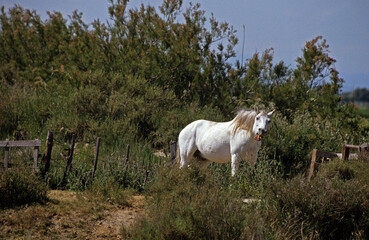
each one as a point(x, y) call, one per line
point(257, 118)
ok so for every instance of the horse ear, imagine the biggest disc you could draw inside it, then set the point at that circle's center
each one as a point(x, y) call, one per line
point(256, 109)
point(270, 113)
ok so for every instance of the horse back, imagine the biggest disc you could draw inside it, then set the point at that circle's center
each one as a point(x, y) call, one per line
point(211, 139)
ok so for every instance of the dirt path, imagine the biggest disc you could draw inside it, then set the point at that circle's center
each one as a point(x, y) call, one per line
point(70, 215)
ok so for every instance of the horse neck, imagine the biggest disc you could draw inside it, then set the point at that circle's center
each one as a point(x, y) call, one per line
point(244, 122)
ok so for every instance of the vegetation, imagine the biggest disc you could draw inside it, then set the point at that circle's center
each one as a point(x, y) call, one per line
point(140, 78)
point(190, 204)
point(145, 74)
point(21, 186)
point(68, 215)
point(358, 95)
point(333, 206)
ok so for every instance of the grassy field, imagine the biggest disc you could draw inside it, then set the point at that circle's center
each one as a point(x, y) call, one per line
point(364, 110)
point(203, 204)
point(139, 80)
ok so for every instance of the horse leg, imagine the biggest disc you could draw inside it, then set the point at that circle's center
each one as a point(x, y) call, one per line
point(186, 151)
point(203, 163)
point(184, 160)
point(200, 160)
point(187, 143)
point(235, 163)
point(185, 157)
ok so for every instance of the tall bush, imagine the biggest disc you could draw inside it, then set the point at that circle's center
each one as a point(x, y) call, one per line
point(333, 206)
point(20, 186)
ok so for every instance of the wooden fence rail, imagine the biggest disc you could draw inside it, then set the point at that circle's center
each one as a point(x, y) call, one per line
point(314, 164)
point(48, 148)
point(24, 143)
point(345, 155)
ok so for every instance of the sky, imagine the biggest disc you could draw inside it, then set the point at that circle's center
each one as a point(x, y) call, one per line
point(283, 25)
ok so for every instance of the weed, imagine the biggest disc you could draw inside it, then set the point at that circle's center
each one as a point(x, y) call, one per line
point(19, 186)
point(189, 204)
point(335, 205)
point(107, 189)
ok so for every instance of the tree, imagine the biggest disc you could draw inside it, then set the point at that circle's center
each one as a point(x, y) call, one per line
point(171, 54)
point(313, 86)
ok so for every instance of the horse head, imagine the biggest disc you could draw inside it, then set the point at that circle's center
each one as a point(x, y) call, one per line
point(261, 123)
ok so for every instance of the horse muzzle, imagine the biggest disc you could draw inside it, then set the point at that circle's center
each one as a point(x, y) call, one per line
point(258, 137)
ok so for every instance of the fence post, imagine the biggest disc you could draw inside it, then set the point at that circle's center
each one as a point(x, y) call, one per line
point(70, 158)
point(312, 164)
point(47, 157)
point(173, 149)
point(96, 157)
point(6, 158)
point(35, 158)
point(127, 154)
point(345, 152)
point(126, 163)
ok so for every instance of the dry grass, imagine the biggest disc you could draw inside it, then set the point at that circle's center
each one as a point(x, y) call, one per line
point(69, 215)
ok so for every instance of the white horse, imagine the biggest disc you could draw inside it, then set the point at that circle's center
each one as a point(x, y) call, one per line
point(233, 141)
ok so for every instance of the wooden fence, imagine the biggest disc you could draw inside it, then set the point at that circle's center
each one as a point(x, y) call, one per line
point(47, 156)
point(46, 159)
point(25, 143)
point(326, 156)
point(36, 144)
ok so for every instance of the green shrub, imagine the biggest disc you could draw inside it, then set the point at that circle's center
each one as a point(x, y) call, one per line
point(20, 186)
point(107, 189)
point(291, 144)
point(364, 111)
point(335, 205)
point(141, 169)
point(108, 81)
point(137, 173)
point(189, 204)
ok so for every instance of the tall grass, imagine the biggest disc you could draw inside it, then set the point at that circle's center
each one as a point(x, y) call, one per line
point(193, 204)
point(188, 204)
point(206, 204)
point(136, 173)
point(19, 186)
point(108, 190)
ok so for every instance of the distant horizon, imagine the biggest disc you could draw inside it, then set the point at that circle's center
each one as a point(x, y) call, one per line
point(357, 81)
point(284, 26)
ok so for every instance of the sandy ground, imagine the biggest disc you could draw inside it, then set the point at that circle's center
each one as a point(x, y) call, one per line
point(69, 215)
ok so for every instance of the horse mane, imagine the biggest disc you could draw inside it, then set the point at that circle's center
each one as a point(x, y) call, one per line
point(244, 120)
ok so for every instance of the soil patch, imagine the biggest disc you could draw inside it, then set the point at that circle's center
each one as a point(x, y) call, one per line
point(69, 215)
